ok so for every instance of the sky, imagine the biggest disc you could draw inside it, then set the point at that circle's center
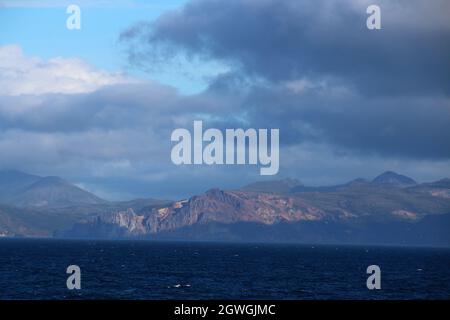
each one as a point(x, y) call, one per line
point(39, 28)
point(97, 105)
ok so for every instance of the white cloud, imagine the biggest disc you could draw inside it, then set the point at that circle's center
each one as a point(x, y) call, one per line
point(21, 74)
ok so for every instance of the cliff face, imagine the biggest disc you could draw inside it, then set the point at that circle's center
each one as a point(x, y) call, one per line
point(359, 212)
point(218, 206)
point(280, 210)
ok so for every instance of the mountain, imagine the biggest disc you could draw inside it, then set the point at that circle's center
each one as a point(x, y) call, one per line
point(430, 231)
point(30, 222)
point(394, 179)
point(443, 183)
point(13, 181)
point(273, 186)
point(390, 209)
point(31, 205)
point(360, 182)
point(19, 189)
point(440, 188)
point(54, 192)
point(357, 182)
point(355, 213)
point(36, 206)
point(24, 190)
point(214, 206)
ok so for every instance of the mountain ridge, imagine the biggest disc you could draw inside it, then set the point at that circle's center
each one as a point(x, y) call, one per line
point(24, 190)
point(331, 213)
point(394, 179)
point(351, 207)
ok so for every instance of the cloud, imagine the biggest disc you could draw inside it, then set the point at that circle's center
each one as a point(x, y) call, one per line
point(113, 136)
point(313, 69)
point(348, 102)
point(313, 39)
point(21, 74)
point(399, 126)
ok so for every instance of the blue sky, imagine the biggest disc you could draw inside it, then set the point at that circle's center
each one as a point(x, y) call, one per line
point(39, 27)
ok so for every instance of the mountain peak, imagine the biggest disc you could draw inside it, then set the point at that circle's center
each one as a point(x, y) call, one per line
point(51, 181)
point(394, 179)
point(443, 183)
point(14, 181)
point(273, 186)
point(25, 190)
point(357, 182)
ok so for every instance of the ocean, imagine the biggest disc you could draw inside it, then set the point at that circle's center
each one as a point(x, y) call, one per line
point(36, 269)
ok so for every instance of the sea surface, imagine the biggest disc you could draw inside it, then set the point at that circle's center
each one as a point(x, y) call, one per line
point(36, 269)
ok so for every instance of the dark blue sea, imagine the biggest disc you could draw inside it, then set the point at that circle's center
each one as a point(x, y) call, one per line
point(36, 269)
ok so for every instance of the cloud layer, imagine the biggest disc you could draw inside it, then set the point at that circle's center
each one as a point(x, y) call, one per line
point(21, 74)
point(313, 69)
point(321, 40)
point(348, 101)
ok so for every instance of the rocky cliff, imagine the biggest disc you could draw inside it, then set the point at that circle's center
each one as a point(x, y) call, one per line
point(348, 209)
point(216, 206)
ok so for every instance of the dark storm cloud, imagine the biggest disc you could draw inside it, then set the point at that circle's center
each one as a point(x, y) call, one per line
point(416, 127)
point(317, 39)
point(313, 69)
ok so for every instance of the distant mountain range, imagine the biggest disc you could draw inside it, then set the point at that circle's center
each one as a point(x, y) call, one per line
point(31, 205)
point(390, 209)
point(25, 190)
